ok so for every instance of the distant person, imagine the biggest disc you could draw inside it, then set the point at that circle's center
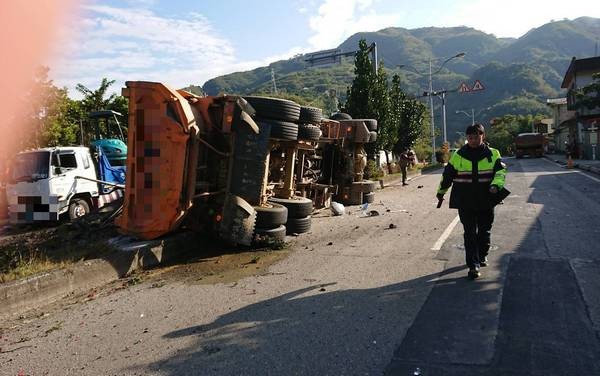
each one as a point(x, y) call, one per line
point(478, 174)
point(407, 158)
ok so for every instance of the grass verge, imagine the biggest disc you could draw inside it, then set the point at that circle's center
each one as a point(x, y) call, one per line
point(28, 251)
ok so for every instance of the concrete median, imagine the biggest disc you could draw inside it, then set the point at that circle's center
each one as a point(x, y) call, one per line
point(19, 296)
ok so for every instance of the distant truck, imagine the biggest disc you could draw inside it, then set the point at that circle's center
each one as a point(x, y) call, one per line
point(531, 144)
point(44, 183)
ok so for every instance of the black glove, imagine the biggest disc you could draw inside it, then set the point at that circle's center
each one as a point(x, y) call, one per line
point(440, 198)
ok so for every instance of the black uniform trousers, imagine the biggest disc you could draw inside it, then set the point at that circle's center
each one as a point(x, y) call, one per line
point(477, 224)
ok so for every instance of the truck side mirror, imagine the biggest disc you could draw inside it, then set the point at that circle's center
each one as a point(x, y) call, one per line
point(57, 170)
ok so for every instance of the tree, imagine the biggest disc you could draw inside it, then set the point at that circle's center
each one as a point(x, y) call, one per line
point(330, 102)
point(94, 100)
point(392, 132)
point(380, 110)
point(51, 117)
point(359, 97)
point(504, 130)
point(589, 96)
point(413, 123)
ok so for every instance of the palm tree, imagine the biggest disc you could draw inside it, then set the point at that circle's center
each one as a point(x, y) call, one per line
point(93, 100)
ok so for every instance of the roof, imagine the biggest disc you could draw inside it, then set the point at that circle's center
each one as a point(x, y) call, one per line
point(580, 65)
point(56, 148)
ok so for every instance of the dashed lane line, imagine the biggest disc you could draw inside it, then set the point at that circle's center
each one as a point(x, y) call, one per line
point(440, 242)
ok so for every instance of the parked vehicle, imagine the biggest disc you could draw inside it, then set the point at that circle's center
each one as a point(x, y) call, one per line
point(44, 183)
point(531, 144)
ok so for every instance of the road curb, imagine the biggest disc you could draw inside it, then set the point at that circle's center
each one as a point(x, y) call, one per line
point(19, 296)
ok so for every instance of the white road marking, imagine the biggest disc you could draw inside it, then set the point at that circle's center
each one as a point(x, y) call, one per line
point(438, 245)
point(575, 171)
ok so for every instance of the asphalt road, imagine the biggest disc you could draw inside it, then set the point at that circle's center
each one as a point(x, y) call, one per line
point(358, 296)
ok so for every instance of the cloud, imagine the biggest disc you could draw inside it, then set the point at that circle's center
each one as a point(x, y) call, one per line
point(339, 19)
point(513, 18)
point(136, 44)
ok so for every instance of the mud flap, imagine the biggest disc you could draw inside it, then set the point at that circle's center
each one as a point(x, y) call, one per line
point(237, 225)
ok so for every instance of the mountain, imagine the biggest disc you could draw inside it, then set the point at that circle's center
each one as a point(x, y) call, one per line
point(518, 74)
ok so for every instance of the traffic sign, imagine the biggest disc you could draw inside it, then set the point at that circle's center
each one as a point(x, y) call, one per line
point(477, 86)
point(463, 88)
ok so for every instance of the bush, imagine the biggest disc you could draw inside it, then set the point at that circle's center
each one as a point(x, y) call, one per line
point(372, 171)
point(441, 156)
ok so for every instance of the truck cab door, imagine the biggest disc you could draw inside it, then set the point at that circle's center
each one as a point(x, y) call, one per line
point(60, 183)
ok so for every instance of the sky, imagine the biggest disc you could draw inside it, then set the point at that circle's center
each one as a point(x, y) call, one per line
point(189, 42)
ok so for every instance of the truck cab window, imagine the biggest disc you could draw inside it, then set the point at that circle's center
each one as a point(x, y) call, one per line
point(31, 166)
point(68, 160)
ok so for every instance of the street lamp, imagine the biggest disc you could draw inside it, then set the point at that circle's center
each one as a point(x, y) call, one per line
point(430, 93)
point(472, 114)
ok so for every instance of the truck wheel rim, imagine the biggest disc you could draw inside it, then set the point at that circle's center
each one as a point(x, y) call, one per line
point(79, 210)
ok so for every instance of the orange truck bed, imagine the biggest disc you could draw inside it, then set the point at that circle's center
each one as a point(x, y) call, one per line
point(180, 157)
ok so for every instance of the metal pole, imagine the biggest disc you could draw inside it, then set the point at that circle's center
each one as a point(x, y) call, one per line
point(431, 112)
point(374, 46)
point(472, 116)
point(444, 114)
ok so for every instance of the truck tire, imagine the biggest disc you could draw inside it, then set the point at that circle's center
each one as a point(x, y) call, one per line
point(277, 233)
point(309, 132)
point(356, 198)
point(364, 186)
point(298, 225)
point(373, 137)
point(78, 208)
point(310, 115)
point(280, 130)
point(270, 216)
point(370, 123)
point(340, 116)
point(275, 108)
point(298, 207)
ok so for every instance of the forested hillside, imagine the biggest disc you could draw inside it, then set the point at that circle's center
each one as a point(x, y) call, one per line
point(518, 74)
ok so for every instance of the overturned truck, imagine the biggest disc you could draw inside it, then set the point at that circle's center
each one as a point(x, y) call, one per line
point(198, 161)
point(240, 167)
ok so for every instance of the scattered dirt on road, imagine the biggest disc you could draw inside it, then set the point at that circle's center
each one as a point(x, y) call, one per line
point(220, 268)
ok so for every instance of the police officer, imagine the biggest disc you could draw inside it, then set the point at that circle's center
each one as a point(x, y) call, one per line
point(478, 173)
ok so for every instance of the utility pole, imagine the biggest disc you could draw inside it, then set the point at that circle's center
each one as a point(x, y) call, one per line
point(273, 81)
point(433, 160)
point(444, 114)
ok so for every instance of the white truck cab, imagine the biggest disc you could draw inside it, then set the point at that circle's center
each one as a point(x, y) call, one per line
point(45, 183)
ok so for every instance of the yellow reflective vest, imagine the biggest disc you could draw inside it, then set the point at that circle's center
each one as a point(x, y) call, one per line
point(470, 172)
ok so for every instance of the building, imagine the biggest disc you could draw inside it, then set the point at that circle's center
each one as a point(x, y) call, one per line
point(564, 124)
point(583, 129)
